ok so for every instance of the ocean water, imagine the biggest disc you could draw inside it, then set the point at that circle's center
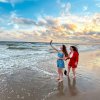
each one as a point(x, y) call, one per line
point(14, 55)
point(19, 59)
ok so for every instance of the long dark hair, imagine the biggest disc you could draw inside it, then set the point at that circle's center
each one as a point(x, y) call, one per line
point(74, 48)
point(64, 50)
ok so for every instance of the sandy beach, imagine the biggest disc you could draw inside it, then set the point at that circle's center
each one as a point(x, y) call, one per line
point(36, 36)
point(31, 76)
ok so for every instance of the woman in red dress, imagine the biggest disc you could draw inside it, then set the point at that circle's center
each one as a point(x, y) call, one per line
point(73, 60)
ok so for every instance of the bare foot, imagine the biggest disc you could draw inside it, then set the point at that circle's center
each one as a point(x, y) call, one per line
point(74, 77)
point(67, 75)
point(57, 79)
point(60, 80)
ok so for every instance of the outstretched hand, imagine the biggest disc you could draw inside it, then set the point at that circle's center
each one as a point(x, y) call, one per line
point(50, 42)
point(66, 58)
point(53, 46)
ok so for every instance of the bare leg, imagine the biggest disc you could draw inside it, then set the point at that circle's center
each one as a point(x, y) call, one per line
point(68, 70)
point(58, 74)
point(61, 75)
point(74, 73)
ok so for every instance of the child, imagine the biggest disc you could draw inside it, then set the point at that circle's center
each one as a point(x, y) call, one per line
point(62, 53)
point(73, 60)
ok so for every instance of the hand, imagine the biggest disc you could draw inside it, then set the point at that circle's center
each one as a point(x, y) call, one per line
point(50, 42)
point(58, 58)
point(76, 63)
point(66, 58)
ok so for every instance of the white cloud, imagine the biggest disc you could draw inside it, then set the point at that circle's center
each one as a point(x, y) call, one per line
point(16, 22)
point(23, 21)
point(62, 28)
point(85, 8)
point(12, 2)
point(65, 7)
point(68, 7)
point(5, 1)
point(62, 5)
point(98, 5)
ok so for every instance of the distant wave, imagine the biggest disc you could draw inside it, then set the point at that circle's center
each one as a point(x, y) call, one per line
point(21, 46)
point(35, 48)
point(43, 46)
point(18, 47)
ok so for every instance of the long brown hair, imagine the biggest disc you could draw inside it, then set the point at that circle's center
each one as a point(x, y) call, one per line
point(64, 50)
point(74, 48)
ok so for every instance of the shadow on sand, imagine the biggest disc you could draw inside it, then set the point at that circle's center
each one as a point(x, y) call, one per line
point(72, 87)
point(60, 89)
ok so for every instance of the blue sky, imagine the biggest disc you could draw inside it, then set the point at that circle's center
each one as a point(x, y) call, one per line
point(32, 8)
point(23, 14)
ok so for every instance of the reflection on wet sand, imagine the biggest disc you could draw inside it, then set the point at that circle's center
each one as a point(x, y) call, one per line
point(72, 87)
point(60, 88)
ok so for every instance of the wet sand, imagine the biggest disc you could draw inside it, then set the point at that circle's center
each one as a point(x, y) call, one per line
point(87, 85)
point(29, 84)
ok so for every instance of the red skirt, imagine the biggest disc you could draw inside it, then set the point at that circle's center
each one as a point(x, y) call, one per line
point(72, 64)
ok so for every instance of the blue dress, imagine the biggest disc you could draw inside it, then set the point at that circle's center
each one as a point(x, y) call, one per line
point(60, 62)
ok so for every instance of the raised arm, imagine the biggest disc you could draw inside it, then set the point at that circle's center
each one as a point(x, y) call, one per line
point(53, 46)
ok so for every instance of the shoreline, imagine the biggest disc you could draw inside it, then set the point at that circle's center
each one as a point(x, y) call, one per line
point(29, 84)
point(75, 43)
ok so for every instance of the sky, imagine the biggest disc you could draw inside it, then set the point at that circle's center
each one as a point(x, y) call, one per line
point(45, 20)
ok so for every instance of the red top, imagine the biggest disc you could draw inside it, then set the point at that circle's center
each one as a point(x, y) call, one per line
point(73, 60)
